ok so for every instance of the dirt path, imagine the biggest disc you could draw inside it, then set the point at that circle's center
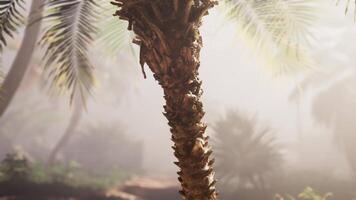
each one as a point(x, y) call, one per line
point(147, 188)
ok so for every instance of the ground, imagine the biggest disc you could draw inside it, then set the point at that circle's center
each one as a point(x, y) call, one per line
point(140, 188)
point(147, 188)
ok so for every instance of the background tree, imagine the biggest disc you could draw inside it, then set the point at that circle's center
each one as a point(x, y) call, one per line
point(77, 113)
point(71, 29)
point(11, 19)
point(245, 153)
point(68, 63)
point(333, 107)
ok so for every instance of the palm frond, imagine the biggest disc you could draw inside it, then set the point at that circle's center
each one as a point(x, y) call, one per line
point(67, 39)
point(278, 29)
point(11, 18)
point(113, 35)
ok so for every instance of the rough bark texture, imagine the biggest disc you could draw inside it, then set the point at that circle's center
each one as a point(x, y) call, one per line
point(168, 34)
point(22, 61)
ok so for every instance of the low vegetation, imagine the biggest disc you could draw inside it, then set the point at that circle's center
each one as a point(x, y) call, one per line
point(308, 194)
point(19, 177)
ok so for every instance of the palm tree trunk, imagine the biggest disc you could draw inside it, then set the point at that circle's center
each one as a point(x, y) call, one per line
point(77, 114)
point(22, 61)
point(168, 33)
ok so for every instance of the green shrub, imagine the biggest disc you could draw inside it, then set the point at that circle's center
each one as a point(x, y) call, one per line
point(75, 176)
point(307, 194)
point(245, 154)
point(17, 168)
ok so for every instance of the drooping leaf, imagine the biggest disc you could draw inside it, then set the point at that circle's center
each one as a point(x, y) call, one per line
point(67, 40)
point(280, 30)
point(11, 17)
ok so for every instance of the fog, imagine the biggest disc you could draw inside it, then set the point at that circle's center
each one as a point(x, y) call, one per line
point(309, 112)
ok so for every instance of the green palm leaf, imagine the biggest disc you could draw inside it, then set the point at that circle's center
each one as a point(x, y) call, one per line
point(113, 35)
point(70, 32)
point(278, 29)
point(10, 19)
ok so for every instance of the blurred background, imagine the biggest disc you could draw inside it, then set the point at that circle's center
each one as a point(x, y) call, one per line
point(273, 134)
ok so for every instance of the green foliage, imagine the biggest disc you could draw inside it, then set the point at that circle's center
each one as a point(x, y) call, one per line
point(17, 168)
point(280, 30)
point(75, 176)
point(244, 154)
point(11, 18)
point(68, 36)
point(113, 35)
point(307, 194)
point(72, 29)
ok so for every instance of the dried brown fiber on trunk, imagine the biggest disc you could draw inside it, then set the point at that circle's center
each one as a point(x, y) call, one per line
point(168, 34)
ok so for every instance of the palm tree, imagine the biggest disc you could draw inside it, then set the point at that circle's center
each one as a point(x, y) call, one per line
point(169, 39)
point(67, 57)
point(74, 121)
point(245, 154)
point(333, 108)
point(168, 34)
point(11, 19)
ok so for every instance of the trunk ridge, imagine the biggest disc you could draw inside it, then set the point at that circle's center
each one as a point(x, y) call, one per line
point(168, 34)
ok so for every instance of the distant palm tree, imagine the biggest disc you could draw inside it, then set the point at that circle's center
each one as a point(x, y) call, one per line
point(74, 121)
point(244, 153)
point(333, 107)
point(11, 18)
point(71, 28)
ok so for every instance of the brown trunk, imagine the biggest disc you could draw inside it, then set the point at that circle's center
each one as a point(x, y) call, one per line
point(168, 33)
point(68, 133)
point(22, 61)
